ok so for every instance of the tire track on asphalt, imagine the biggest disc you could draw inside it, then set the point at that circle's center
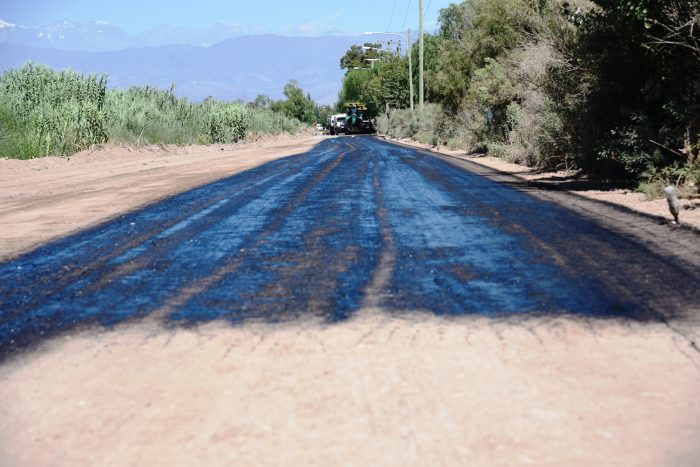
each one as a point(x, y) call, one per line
point(108, 246)
point(452, 261)
point(68, 306)
point(230, 266)
point(354, 224)
point(320, 273)
point(645, 284)
point(377, 290)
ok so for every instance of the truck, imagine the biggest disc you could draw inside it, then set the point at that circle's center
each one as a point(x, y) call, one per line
point(337, 124)
point(357, 119)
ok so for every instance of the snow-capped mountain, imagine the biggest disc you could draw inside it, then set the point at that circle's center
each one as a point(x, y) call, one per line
point(224, 60)
point(238, 68)
point(166, 34)
point(68, 35)
point(102, 36)
point(5, 24)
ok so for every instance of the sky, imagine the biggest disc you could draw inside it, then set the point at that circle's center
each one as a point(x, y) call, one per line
point(255, 16)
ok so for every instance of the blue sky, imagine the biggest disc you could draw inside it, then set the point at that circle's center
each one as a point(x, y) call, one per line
point(256, 16)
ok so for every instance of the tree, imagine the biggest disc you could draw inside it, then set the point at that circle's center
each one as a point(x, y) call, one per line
point(298, 104)
point(393, 83)
point(262, 102)
point(676, 25)
point(384, 84)
point(455, 20)
point(357, 56)
point(359, 86)
point(322, 113)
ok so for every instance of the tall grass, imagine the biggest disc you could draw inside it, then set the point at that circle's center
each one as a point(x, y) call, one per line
point(267, 122)
point(46, 112)
point(146, 115)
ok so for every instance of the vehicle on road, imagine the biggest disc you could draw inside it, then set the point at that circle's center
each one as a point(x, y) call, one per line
point(337, 124)
point(357, 120)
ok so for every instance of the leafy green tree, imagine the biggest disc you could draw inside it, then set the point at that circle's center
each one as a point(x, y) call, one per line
point(384, 84)
point(357, 56)
point(361, 86)
point(636, 100)
point(262, 102)
point(476, 31)
point(432, 46)
point(322, 113)
point(493, 91)
point(393, 83)
point(299, 104)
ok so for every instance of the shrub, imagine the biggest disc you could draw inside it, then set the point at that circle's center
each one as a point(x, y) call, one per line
point(262, 121)
point(419, 124)
point(51, 112)
point(226, 122)
point(146, 115)
point(46, 112)
point(684, 176)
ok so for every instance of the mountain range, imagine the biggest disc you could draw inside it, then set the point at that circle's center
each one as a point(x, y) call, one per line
point(236, 68)
point(102, 36)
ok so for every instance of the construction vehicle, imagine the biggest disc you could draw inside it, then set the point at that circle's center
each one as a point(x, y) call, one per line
point(357, 120)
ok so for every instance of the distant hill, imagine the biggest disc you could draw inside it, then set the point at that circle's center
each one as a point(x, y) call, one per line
point(68, 35)
point(100, 36)
point(238, 68)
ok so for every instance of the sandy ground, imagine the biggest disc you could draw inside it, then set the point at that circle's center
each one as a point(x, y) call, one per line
point(570, 181)
point(44, 199)
point(375, 390)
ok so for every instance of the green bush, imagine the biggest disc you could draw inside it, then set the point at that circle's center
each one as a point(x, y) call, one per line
point(146, 115)
point(684, 176)
point(48, 112)
point(404, 123)
point(225, 122)
point(266, 122)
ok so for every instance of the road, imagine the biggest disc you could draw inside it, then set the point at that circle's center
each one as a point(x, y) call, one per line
point(355, 223)
point(363, 303)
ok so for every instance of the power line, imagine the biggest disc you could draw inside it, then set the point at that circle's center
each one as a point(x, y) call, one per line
point(428, 7)
point(406, 15)
point(391, 20)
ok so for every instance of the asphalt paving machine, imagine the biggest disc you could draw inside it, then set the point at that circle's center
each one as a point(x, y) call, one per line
point(357, 120)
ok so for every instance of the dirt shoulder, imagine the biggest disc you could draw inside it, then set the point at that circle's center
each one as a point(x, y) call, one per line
point(48, 198)
point(570, 181)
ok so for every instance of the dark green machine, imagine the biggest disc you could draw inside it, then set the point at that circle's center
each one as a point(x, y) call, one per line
point(357, 120)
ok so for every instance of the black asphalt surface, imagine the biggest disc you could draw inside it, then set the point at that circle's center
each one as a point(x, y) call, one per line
point(356, 222)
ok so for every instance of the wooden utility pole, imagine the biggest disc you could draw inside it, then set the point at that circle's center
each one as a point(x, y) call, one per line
point(410, 68)
point(420, 52)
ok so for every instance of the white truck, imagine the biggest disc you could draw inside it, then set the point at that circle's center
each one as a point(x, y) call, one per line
point(337, 125)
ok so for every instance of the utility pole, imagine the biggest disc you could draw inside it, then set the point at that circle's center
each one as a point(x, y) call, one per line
point(420, 52)
point(410, 67)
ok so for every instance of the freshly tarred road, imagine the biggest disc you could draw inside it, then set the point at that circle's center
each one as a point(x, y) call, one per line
point(354, 223)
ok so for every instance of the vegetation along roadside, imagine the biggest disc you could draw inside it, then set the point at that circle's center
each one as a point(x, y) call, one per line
point(610, 88)
point(45, 112)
